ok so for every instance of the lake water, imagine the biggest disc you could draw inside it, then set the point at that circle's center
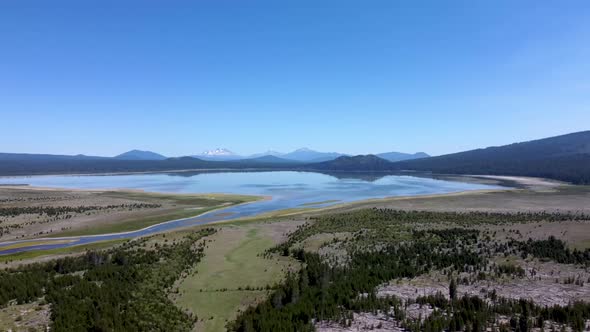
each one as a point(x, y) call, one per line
point(287, 189)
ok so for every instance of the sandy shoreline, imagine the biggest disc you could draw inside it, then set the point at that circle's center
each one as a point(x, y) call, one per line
point(129, 190)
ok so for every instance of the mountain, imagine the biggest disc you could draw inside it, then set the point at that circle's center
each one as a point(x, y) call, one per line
point(399, 156)
point(140, 155)
point(44, 157)
point(267, 153)
point(270, 159)
point(307, 155)
point(565, 157)
point(367, 163)
point(219, 154)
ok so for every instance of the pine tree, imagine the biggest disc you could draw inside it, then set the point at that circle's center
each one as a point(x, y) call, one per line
point(453, 289)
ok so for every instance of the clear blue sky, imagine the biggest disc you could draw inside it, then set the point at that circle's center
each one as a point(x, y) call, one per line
point(179, 77)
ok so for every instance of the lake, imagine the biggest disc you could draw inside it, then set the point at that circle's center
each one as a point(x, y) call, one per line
point(287, 189)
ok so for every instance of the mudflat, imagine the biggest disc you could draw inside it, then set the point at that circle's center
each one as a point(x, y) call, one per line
point(29, 212)
point(529, 198)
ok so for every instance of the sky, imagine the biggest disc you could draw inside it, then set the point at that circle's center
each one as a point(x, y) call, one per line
point(180, 77)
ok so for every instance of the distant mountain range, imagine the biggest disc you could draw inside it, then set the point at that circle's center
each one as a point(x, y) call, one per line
point(304, 155)
point(308, 155)
point(565, 157)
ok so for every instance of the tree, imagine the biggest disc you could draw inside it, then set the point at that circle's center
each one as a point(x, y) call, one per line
point(453, 289)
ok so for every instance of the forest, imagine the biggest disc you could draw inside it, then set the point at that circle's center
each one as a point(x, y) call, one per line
point(129, 287)
point(327, 289)
point(565, 158)
point(121, 289)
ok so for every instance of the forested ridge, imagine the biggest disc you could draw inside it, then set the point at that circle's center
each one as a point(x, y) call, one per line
point(565, 158)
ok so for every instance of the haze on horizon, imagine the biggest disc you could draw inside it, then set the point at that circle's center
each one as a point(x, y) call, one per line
point(180, 78)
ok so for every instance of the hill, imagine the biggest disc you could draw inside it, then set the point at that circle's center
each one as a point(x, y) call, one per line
point(368, 163)
point(565, 157)
point(111, 165)
point(399, 156)
point(44, 157)
point(140, 155)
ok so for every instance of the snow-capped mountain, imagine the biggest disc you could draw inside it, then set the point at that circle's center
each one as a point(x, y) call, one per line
point(218, 154)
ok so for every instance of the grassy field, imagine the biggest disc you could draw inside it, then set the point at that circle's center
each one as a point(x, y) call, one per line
point(136, 223)
point(186, 209)
point(30, 255)
point(24, 317)
point(37, 243)
point(231, 274)
point(47, 212)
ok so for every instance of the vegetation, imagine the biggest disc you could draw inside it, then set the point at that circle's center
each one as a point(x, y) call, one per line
point(565, 158)
point(553, 249)
point(136, 223)
point(231, 276)
point(125, 288)
point(28, 255)
point(384, 245)
point(136, 285)
point(56, 211)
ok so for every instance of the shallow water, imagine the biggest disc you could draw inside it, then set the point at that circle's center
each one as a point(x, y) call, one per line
point(287, 189)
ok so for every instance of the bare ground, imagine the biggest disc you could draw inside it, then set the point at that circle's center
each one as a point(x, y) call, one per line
point(103, 208)
point(545, 283)
point(575, 199)
point(24, 317)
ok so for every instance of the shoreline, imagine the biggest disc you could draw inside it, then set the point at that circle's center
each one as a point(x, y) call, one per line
point(62, 238)
point(278, 213)
point(307, 210)
point(135, 191)
point(243, 219)
point(203, 170)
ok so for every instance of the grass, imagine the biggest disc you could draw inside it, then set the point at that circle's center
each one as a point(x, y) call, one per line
point(216, 308)
point(317, 241)
point(24, 317)
point(185, 199)
point(320, 202)
point(136, 223)
point(231, 262)
point(36, 243)
point(186, 209)
point(27, 255)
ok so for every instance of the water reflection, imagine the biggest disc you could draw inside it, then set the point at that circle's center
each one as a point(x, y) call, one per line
point(288, 189)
